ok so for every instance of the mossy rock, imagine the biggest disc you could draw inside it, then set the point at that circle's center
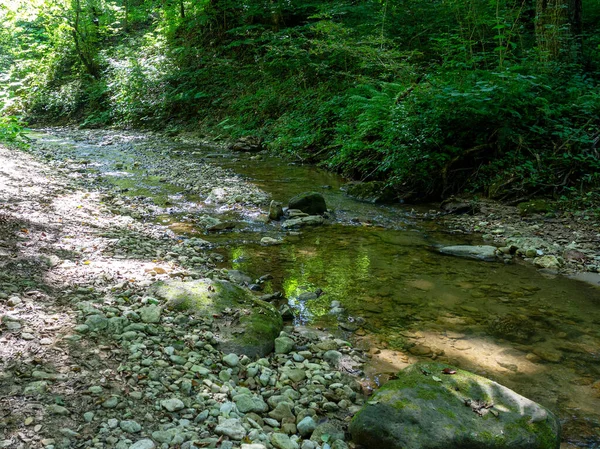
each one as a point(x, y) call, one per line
point(250, 330)
point(371, 192)
point(534, 207)
point(426, 409)
point(312, 203)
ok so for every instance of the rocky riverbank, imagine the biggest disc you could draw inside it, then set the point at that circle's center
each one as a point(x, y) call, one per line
point(93, 357)
point(557, 242)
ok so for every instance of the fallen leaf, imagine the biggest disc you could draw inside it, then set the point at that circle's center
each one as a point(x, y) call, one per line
point(437, 379)
point(448, 371)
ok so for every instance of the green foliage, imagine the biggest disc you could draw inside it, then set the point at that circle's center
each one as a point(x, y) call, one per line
point(12, 129)
point(433, 97)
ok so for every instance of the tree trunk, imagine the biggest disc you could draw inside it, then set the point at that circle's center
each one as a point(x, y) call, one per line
point(558, 27)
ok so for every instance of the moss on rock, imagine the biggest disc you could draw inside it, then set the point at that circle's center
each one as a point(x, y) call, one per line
point(426, 409)
point(250, 326)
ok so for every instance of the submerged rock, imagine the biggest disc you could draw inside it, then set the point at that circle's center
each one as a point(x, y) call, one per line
point(252, 332)
point(311, 203)
point(311, 220)
point(426, 408)
point(275, 210)
point(486, 253)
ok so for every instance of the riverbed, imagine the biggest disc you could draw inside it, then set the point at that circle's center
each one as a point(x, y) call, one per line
point(401, 300)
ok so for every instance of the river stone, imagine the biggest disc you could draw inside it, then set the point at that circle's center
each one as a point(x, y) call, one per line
point(97, 322)
point(275, 210)
point(371, 192)
point(311, 203)
point(173, 404)
point(283, 345)
point(253, 334)
point(425, 408)
point(307, 426)
point(246, 403)
point(231, 428)
point(150, 314)
point(282, 441)
point(311, 220)
point(130, 426)
point(143, 444)
point(548, 262)
point(486, 253)
point(231, 360)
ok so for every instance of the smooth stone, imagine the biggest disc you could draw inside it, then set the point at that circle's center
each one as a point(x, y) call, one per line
point(312, 203)
point(486, 253)
point(172, 405)
point(231, 428)
point(143, 444)
point(130, 426)
point(307, 426)
point(282, 441)
point(231, 360)
point(284, 345)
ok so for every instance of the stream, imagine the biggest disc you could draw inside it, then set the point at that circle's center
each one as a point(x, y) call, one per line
point(402, 301)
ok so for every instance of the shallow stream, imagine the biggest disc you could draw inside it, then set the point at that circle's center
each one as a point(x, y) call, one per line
point(402, 301)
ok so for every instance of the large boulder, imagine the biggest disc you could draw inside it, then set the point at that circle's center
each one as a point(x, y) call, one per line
point(479, 252)
point(428, 409)
point(311, 203)
point(250, 325)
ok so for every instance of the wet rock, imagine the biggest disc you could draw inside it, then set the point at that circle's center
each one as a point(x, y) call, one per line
point(311, 220)
point(275, 210)
point(468, 411)
point(548, 262)
point(486, 253)
point(312, 203)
